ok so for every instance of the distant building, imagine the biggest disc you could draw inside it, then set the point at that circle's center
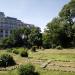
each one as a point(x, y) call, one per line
point(7, 24)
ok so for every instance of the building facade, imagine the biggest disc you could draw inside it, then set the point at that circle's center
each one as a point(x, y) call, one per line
point(7, 24)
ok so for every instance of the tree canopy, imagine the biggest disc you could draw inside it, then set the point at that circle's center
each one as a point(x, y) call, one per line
point(27, 37)
point(61, 30)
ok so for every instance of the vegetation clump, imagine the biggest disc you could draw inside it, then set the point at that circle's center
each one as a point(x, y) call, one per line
point(27, 69)
point(6, 60)
point(16, 51)
point(24, 53)
point(34, 48)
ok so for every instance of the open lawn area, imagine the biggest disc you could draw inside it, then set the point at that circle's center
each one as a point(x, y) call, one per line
point(47, 62)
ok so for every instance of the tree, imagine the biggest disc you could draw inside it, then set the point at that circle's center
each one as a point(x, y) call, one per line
point(46, 40)
point(61, 31)
point(52, 31)
point(35, 37)
point(68, 14)
point(17, 36)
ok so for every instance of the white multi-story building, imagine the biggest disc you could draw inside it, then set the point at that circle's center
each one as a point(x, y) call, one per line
point(7, 24)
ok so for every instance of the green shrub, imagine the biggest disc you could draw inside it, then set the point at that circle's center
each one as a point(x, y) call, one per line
point(24, 53)
point(34, 48)
point(6, 60)
point(16, 51)
point(27, 69)
point(59, 47)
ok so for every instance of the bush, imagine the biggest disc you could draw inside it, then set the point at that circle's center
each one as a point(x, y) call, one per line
point(7, 42)
point(34, 48)
point(6, 60)
point(27, 69)
point(16, 51)
point(9, 50)
point(24, 53)
point(59, 47)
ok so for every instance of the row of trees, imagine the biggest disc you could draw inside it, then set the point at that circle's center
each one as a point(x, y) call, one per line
point(27, 37)
point(59, 32)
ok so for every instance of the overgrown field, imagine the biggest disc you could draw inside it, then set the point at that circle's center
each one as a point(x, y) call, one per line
point(47, 62)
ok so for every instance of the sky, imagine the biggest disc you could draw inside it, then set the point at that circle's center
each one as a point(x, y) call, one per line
point(37, 12)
